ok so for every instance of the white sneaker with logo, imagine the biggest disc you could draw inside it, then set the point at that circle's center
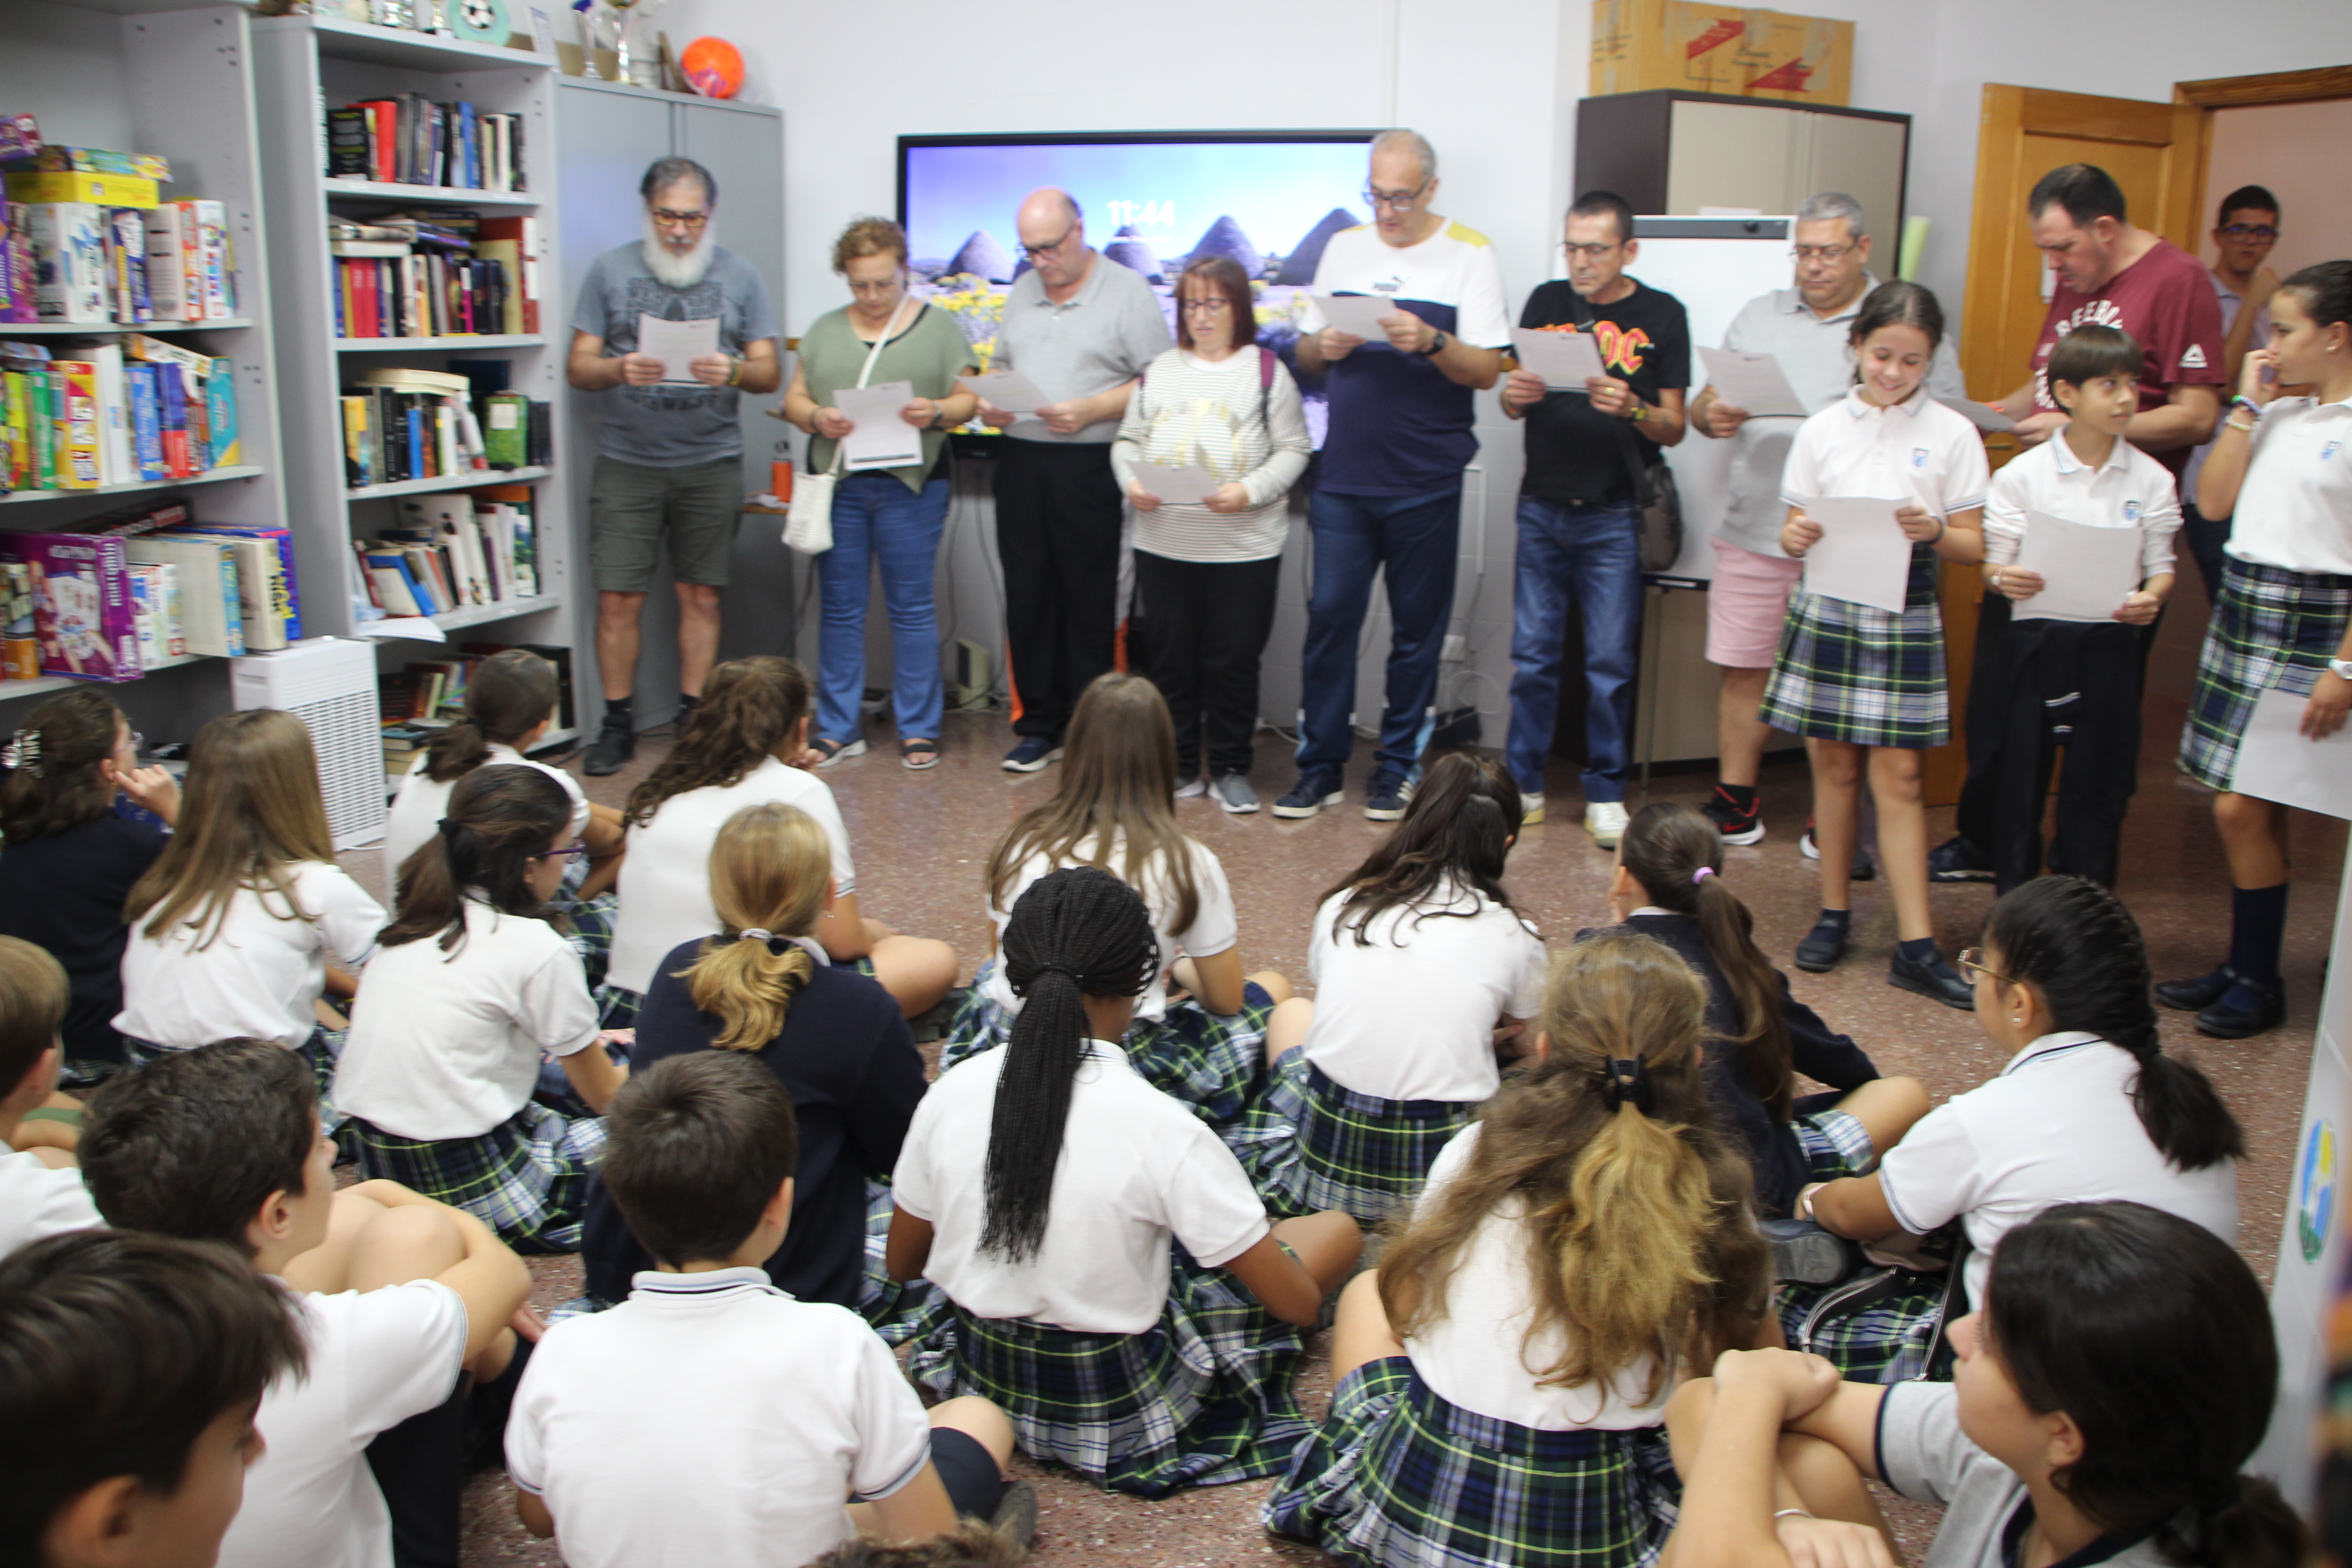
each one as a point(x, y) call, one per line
point(1605, 820)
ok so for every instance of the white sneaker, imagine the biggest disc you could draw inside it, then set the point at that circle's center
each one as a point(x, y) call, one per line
point(1605, 820)
point(1191, 789)
point(1531, 808)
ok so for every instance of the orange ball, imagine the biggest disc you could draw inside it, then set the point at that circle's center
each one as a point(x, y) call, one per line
point(714, 67)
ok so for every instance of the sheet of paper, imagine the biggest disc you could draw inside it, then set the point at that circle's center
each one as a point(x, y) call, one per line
point(2089, 571)
point(675, 343)
point(1862, 556)
point(1753, 382)
point(1358, 313)
point(1189, 484)
point(1983, 415)
point(1009, 390)
point(881, 439)
point(2275, 762)
point(1566, 361)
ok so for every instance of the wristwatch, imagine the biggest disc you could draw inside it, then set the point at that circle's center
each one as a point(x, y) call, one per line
point(1436, 344)
point(2341, 667)
point(1638, 411)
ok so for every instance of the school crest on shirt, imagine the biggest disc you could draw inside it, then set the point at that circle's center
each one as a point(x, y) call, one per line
point(2131, 511)
point(1918, 457)
point(2330, 450)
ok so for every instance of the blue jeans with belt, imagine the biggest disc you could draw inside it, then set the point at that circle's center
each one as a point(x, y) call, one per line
point(1416, 541)
point(878, 522)
point(1593, 551)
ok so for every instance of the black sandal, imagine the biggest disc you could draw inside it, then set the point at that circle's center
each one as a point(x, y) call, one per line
point(917, 755)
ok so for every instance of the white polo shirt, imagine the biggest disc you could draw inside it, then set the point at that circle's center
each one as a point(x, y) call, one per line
point(447, 1045)
point(423, 800)
point(1136, 1167)
point(259, 975)
point(1215, 928)
point(711, 1420)
point(666, 880)
point(1412, 1017)
point(37, 1202)
point(2294, 508)
point(1917, 451)
point(375, 1360)
point(1478, 1355)
point(2056, 1127)
point(2130, 489)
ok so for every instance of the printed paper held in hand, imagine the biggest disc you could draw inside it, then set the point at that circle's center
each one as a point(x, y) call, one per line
point(1983, 415)
point(677, 343)
point(2087, 572)
point(1009, 390)
point(1358, 313)
point(881, 439)
point(1188, 485)
point(2277, 762)
point(1566, 361)
point(1862, 556)
point(1753, 382)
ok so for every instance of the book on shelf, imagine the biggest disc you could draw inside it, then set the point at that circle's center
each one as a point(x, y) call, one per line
point(407, 139)
point(20, 646)
point(404, 425)
point(54, 156)
point(112, 413)
point(446, 274)
point(19, 279)
point(115, 264)
point(453, 551)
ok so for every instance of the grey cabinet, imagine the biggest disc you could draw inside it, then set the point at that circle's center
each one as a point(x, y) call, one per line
point(1673, 152)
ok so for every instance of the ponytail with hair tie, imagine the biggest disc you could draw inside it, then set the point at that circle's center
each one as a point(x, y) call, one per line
point(1627, 1083)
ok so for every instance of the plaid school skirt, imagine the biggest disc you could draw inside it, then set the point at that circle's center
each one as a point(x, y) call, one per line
point(2271, 627)
point(1836, 1144)
point(318, 1053)
point(1200, 1399)
point(1398, 1476)
point(1859, 674)
point(1358, 1153)
point(526, 1178)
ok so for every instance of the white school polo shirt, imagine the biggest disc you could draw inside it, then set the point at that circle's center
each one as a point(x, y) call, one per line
point(1478, 1355)
point(1412, 1015)
point(1215, 928)
point(2294, 508)
point(1136, 1167)
point(666, 880)
point(423, 800)
point(2056, 1127)
point(375, 1360)
point(2130, 489)
point(259, 975)
point(711, 1420)
point(447, 1045)
point(1917, 450)
point(37, 1202)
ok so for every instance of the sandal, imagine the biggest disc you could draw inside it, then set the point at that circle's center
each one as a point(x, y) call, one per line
point(916, 755)
point(831, 751)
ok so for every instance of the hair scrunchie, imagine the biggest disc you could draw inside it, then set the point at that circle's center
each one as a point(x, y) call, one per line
point(1701, 875)
point(775, 944)
point(25, 752)
point(1627, 1081)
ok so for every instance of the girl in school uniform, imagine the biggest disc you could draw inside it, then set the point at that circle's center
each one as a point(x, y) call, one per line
point(1200, 1026)
point(235, 926)
point(746, 743)
point(1424, 975)
point(2088, 1109)
point(1865, 686)
point(1501, 1379)
point(1040, 1190)
point(2285, 619)
point(837, 1041)
point(471, 988)
point(2121, 1373)
point(1669, 876)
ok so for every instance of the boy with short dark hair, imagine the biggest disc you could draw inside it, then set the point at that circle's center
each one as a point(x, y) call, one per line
point(129, 1370)
point(711, 1419)
point(970, 1544)
point(41, 1192)
point(395, 1294)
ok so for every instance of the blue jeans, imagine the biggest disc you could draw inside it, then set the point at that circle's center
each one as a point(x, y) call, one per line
point(877, 518)
point(1417, 539)
point(1594, 552)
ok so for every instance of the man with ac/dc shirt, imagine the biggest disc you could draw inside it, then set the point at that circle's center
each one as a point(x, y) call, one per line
point(1580, 500)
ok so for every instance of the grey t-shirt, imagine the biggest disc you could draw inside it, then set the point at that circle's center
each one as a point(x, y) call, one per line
point(1925, 1455)
point(669, 426)
point(1107, 332)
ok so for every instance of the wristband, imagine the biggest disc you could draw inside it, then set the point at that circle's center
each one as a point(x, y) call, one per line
point(2248, 404)
point(1786, 1512)
point(734, 370)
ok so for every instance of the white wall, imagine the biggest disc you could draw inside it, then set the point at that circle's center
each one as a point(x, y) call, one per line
point(2273, 146)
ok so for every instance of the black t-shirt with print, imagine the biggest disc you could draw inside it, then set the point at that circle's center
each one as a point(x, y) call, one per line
point(1573, 452)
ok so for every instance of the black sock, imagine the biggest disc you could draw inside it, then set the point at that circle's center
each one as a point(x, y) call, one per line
point(2257, 931)
point(617, 715)
point(687, 703)
point(1740, 795)
point(1840, 919)
point(1920, 950)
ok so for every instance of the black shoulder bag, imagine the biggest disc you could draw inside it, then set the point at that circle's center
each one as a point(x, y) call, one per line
point(1657, 504)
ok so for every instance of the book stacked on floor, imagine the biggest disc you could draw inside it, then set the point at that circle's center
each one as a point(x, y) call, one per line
point(407, 139)
point(400, 425)
point(454, 552)
point(112, 413)
point(450, 274)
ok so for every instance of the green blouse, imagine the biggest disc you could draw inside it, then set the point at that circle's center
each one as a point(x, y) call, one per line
point(930, 351)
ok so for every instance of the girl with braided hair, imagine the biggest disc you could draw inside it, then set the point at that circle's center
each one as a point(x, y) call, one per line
point(2088, 1110)
point(1500, 1382)
point(472, 986)
point(1063, 1303)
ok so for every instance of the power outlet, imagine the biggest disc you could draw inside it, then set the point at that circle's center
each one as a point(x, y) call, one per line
point(1457, 648)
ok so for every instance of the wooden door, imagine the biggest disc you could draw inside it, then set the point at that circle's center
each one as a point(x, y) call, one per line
point(2155, 153)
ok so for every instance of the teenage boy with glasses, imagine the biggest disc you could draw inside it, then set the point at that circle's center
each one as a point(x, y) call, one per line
point(2245, 231)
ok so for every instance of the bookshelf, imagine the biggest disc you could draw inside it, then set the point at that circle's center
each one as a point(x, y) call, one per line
point(175, 79)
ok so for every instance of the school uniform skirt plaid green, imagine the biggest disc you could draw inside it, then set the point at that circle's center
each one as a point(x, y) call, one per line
point(526, 1178)
point(1857, 673)
point(1398, 1475)
point(2270, 628)
point(1365, 1156)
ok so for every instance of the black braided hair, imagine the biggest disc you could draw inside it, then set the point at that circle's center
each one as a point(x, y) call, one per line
point(1076, 933)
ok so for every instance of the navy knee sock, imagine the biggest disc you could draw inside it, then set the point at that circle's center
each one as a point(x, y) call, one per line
point(2257, 931)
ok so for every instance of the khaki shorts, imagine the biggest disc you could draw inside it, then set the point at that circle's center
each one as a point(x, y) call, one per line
point(630, 507)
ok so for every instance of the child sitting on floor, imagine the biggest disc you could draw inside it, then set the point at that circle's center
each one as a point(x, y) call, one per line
point(41, 1192)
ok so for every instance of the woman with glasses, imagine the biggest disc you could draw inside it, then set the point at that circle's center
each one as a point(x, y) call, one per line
point(889, 518)
point(1223, 412)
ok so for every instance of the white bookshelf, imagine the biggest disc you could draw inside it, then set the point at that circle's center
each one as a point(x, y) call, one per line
point(167, 77)
point(305, 66)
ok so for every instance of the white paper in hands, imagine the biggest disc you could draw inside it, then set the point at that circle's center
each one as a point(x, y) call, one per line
point(1566, 361)
point(1983, 415)
point(1009, 390)
point(677, 343)
point(2277, 762)
point(2086, 573)
point(1359, 314)
point(881, 439)
point(1753, 382)
point(1862, 556)
point(1188, 485)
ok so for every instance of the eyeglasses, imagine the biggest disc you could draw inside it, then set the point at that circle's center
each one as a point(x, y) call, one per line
point(136, 741)
point(1398, 202)
point(1804, 253)
point(2250, 231)
point(887, 286)
point(680, 219)
point(576, 848)
point(1208, 307)
point(1034, 251)
point(1590, 252)
point(1972, 960)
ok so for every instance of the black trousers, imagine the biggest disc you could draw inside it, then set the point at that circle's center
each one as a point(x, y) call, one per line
point(1200, 627)
point(420, 1467)
point(2037, 686)
point(1058, 512)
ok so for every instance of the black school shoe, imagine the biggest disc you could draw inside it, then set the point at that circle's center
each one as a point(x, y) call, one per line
point(1957, 859)
point(1932, 977)
point(2247, 1008)
point(1822, 946)
point(610, 752)
point(2196, 995)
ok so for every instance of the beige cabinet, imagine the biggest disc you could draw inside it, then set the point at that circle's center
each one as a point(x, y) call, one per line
point(1683, 153)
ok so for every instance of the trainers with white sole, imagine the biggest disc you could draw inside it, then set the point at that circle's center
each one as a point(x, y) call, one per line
point(1232, 792)
point(1531, 808)
point(1192, 788)
point(1605, 820)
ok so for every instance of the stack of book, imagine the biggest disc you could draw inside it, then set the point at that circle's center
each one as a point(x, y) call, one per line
point(402, 425)
point(408, 140)
point(113, 413)
point(437, 275)
point(459, 551)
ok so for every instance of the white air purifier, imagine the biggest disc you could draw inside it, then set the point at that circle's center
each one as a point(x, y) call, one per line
point(329, 683)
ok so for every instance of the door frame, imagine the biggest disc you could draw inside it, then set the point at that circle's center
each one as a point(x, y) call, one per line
point(2316, 85)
